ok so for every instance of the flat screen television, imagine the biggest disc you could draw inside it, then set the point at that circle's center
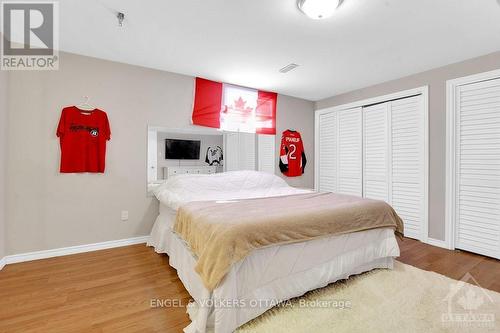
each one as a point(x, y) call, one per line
point(182, 149)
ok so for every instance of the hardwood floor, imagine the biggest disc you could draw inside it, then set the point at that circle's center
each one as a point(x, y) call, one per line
point(112, 290)
point(454, 264)
point(102, 291)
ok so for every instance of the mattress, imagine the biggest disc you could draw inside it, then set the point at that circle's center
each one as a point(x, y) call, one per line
point(270, 274)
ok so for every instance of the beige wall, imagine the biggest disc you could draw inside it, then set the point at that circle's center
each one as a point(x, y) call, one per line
point(3, 152)
point(436, 80)
point(48, 210)
point(292, 117)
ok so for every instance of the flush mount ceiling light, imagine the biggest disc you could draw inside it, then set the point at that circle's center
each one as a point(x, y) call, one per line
point(318, 9)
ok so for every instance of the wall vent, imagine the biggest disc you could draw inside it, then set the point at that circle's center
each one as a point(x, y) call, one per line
point(288, 68)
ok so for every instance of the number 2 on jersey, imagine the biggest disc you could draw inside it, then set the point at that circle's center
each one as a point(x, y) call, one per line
point(293, 149)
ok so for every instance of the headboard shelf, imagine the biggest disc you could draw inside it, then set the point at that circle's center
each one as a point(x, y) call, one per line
point(179, 170)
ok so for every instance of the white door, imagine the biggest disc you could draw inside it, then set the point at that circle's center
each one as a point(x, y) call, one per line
point(379, 152)
point(376, 167)
point(247, 160)
point(239, 151)
point(350, 152)
point(408, 164)
point(266, 153)
point(327, 152)
point(477, 167)
point(231, 151)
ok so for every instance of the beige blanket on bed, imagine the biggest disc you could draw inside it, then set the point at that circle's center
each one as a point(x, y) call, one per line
point(221, 233)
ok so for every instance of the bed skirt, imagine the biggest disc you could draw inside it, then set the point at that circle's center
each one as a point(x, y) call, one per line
point(272, 274)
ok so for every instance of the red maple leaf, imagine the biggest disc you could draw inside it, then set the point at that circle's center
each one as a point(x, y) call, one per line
point(239, 104)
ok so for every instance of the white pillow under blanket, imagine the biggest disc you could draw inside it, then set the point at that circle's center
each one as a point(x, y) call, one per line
point(231, 185)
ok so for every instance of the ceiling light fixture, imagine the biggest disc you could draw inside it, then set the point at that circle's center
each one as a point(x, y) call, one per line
point(318, 9)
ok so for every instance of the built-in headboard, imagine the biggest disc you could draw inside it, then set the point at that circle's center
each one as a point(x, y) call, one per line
point(179, 170)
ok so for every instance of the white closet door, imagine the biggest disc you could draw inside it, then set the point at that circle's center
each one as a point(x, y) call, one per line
point(408, 169)
point(477, 169)
point(327, 141)
point(350, 152)
point(376, 169)
point(266, 147)
point(239, 151)
point(231, 151)
point(247, 151)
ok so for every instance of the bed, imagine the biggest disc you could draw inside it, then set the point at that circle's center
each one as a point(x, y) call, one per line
point(269, 274)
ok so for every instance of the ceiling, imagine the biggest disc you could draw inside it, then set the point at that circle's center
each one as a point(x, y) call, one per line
point(246, 42)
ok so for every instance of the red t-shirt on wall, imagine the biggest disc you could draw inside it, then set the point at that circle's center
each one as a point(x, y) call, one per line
point(83, 136)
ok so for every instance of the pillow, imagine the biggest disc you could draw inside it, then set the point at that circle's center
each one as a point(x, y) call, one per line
point(231, 185)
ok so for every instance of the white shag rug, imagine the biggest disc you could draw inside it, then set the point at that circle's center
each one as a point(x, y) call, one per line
point(406, 299)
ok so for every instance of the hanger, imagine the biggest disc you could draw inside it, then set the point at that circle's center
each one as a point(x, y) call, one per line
point(85, 106)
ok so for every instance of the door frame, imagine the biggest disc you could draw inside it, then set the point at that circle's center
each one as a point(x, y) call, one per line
point(451, 109)
point(424, 92)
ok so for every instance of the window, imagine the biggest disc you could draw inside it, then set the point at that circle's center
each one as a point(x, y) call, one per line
point(233, 108)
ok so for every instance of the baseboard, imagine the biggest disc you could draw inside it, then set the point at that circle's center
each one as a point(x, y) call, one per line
point(16, 258)
point(436, 242)
point(2, 263)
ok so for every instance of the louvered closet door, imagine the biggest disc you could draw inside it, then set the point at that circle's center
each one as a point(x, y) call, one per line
point(239, 151)
point(266, 153)
point(231, 151)
point(477, 169)
point(327, 170)
point(376, 147)
point(350, 152)
point(247, 159)
point(407, 163)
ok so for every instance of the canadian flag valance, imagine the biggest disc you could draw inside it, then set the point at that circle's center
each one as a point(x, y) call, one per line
point(234, 108)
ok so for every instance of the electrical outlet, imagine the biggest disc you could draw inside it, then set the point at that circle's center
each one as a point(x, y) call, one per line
point(124, 215)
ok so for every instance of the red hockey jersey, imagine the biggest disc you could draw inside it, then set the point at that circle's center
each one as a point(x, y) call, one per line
point(292, 156)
